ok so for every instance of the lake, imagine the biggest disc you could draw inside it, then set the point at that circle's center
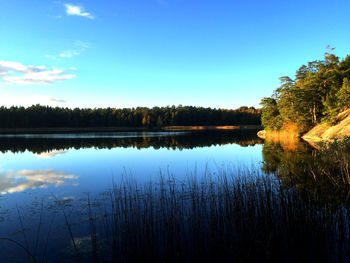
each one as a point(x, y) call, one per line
point(69, 164)
point(49, 180)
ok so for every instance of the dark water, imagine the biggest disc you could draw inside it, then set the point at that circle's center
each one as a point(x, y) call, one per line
point(48, 180)
point(38, 170)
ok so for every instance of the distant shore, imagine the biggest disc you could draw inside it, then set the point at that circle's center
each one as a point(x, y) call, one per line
point(199, 128)
point(125, 129)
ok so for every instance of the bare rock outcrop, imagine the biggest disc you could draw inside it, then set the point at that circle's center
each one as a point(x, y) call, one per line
point(327, 132)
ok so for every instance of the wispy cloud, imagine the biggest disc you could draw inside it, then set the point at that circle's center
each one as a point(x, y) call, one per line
point(76, 10)
point(48, 100)
point(32, 99)
point(78, 48)
point(17, 73)
point(43, 77)
point(57, 100)
point(69, 53)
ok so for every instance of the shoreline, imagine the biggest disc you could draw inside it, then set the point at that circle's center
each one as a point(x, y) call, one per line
point(212, 127)
point(124, 129)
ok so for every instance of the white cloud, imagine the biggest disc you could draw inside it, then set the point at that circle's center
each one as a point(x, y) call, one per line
point(12, 182)
point(48, 155)
point(79, 47)
point(6, 66)
point(43, 77)
point(17, 73)
point(75, 10)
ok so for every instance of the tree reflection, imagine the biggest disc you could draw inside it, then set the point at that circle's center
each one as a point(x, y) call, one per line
point(174, 141)
point(320, 174)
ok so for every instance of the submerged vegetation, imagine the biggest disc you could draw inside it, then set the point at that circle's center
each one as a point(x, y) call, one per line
point(318, 93)
point(38, 116)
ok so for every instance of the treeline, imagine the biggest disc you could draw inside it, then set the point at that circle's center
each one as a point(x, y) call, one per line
point(319, 91)
point(38, 116)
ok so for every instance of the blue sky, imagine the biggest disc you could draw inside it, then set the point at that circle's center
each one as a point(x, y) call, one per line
point(118, 53)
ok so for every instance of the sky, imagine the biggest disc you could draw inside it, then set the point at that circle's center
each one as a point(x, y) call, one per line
point(117, 53)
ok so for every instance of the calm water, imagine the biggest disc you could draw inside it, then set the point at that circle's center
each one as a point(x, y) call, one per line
point(66, 165)
point(40, 174)
point(41, 170)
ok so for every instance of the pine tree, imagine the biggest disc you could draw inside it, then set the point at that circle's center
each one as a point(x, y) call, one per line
point(343, 95)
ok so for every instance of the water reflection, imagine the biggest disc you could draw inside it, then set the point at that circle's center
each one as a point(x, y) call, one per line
point(19, 181)
point(49, 155)
point(321, 174)
point(47, 144)
point(89, 135)
point(256, 208)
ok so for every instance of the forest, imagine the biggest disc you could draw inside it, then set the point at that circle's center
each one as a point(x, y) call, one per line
point(38, 116)
point(319, 91)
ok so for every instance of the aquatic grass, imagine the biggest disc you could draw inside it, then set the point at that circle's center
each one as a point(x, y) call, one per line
point(32, 258)
point(69, 228)
point(230, 215)
point(33, 254)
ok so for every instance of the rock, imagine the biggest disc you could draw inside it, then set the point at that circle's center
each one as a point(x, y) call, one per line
point(329, 133)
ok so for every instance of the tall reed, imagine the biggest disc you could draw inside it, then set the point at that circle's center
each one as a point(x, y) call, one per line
point(235, 215)
point(227, 217)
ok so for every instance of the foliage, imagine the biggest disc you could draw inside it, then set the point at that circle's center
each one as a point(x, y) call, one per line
point(38, 116)
point(270, 117)
point(343, 95)
point(318, 93)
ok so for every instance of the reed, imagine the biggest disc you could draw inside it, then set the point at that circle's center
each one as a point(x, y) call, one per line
point(226, 217)
point(237, 215)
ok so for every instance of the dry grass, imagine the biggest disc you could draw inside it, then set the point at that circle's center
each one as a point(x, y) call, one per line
point(206, 128)
point(288, 137)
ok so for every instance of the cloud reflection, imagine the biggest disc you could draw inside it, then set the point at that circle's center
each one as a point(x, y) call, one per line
point(48, 155)
point(18, 181)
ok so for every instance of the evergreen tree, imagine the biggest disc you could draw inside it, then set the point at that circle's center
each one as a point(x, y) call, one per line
point(343, 95)
point(270, 118)
point(318, 93)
